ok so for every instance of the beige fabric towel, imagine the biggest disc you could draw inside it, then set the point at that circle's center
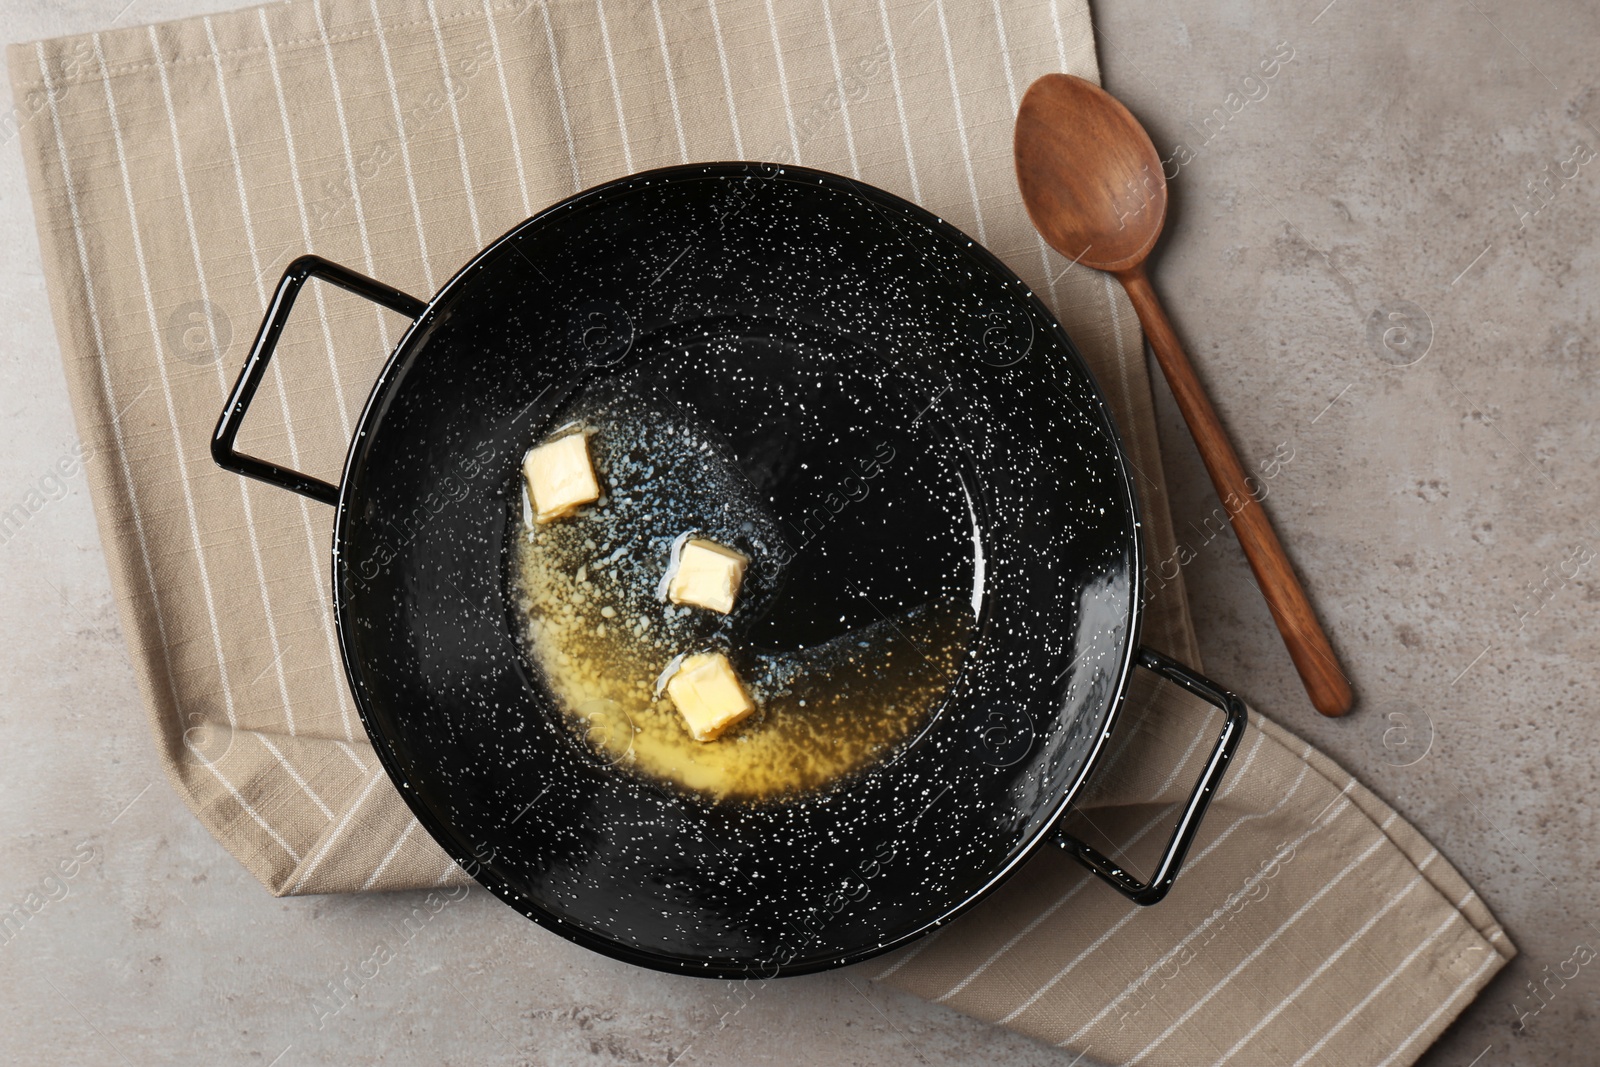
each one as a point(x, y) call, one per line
point(177, 169)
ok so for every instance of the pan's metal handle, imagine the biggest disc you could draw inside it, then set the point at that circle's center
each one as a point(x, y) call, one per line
point(1189, 821)
point(255, 367)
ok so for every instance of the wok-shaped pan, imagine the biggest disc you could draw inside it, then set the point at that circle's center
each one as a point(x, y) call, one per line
point(802, 321)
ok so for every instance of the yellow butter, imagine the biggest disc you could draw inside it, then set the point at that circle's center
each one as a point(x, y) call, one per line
point(708, 695)
point(708, 575)
point(560, 477)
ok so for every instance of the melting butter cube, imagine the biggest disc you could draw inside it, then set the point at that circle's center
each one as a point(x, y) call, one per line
point(708, 695)
point(560, 477)
point(708, 575)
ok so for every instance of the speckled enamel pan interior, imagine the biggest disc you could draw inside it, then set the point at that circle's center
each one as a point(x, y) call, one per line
point(804, 320)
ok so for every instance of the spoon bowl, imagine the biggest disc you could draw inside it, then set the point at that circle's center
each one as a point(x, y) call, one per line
point(1090, 177)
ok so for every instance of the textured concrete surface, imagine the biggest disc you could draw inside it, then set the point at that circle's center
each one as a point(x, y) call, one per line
point(1368, 205)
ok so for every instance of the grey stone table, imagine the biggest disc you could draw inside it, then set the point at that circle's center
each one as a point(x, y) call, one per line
point(1383, 260)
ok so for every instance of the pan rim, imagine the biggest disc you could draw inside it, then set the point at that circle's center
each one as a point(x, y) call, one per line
point(442, 832)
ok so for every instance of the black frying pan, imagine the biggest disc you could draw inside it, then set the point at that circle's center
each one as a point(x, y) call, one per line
point(799, 320)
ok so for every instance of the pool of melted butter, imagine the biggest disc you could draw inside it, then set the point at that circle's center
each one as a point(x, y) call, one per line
point(600, 634)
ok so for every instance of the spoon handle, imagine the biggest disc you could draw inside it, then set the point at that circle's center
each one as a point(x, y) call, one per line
point(1291, 609)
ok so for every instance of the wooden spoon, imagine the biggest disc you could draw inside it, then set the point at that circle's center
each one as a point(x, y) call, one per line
point(1094, 187)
